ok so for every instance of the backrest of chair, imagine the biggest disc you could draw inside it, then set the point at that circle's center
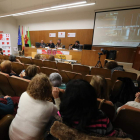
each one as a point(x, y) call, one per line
point(109, 86)
point(5, 85)
point(6, 57)
point(25, 60)
point(18, 84)
point(49, 64)
point(108, 108)
point(37, 62)
point(128, 120)
point(88, 78)
point(64, 66)
point(106, 73)
point(117, 74)
point(81, 69)
point(1, 57)
point(48, 71)
point(68, 75)
point(17, 67)
point(18, 57)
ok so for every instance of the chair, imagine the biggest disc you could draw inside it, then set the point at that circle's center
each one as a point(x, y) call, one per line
point(106, 73)
point(64, 66)
point(18, 84)
point(4, 126)
point(117, 74)
point(50, 64)
point(108, 108)
point(128, 120)
point(26, 65)
point(81, 69)
point(88, 78)
point(6, 57)
point(1, 57)
point(25, 60)
point(5, 85)
point(48, 71)
point(68, 75)
point(17, 67)
point(37, 62)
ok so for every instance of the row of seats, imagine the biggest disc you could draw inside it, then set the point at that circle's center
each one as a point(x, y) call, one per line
point(12, 85)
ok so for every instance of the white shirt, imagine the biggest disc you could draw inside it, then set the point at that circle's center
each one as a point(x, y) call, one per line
point(31, 119)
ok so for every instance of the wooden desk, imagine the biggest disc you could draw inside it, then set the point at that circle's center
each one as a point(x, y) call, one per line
point(85, 57)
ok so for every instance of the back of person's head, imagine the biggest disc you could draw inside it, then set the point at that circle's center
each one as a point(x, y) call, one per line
point(79, 103)
point(0, 49)
point(6, 66)
point(37, 56)
point(40, 87)
point(55, 79)
point(111, 65)
point(12, 58)
point(51, 58)
point(100, 85)
point(31, 71)
point(77, 42)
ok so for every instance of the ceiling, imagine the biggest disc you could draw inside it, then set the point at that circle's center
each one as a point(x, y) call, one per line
point(14, 6)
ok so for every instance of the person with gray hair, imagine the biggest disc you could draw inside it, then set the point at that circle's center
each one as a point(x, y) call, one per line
point(51, 44)
point(56, 80)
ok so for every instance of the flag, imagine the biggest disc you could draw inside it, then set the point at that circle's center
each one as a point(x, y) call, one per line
point(19, 37)
point(26, 37)
point(22, 39)
point(29, 41)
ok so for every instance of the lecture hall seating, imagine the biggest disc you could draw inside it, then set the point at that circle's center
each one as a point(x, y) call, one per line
point(37, 62)
point(26, 65)
point(50, 64)
point(6, 57)
point(64, 66)
point(25, 60)
point(17, 67)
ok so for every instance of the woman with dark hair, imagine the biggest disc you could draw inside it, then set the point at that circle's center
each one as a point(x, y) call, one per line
point(79, 110)
point(76, 45)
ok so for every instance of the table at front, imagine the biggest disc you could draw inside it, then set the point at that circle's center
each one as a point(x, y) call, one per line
point(85, 57)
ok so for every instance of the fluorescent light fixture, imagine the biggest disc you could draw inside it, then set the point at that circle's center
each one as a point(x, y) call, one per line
point(59, 7)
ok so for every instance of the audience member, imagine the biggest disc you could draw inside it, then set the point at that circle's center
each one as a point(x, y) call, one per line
point(6, 67)
point(59, 44)
point(76, 45)
point(1, 51)
point(80, 111)
point(42, 44)
point(100, 85)
point(135, 103)
point(51, 58)
point(12, 58)
point(51, 44)
point(56, 80)
point(37, 56)
point(113, 66)
point(30, 72)
point(34, 110)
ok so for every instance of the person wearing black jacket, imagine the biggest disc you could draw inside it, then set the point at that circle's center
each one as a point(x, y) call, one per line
point(76, 45)
point(51, 44)
point(1, 51)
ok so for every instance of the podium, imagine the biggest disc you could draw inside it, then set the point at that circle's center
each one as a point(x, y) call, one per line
point(136, 62)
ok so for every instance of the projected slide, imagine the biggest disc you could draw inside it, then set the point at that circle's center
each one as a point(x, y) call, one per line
point(117, 28)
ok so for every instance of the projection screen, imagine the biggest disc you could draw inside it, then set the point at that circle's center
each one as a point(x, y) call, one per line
point(117, 28)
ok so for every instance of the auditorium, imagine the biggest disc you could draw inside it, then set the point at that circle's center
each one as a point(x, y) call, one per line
point(70, 70)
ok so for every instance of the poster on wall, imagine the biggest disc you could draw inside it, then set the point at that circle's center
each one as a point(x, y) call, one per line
point(5, 43)
point(52, 34)
point(61, 34)
point(71, 34)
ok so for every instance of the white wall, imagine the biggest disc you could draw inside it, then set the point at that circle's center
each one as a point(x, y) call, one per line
point(9, 25)
point(82, 20)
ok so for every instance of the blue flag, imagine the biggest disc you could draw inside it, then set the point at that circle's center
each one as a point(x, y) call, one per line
point(19, 37)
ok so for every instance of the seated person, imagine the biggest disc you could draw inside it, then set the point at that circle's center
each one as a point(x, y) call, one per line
point(51, 58)
point(51, 44)
point(80, 111)
point(56, 80)
point(37, 56)
point(42, 44)
point(135, 103)
point(59, 44)
point(76, 45)
point(100, 85)
point(113, 66)
point(30, 72)
point(12, 58)
point(1, 51)
point(6, 67)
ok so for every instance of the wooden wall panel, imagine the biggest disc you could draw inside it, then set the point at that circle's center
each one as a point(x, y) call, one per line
point(83, 35)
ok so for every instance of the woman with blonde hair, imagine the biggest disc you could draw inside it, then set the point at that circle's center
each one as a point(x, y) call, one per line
point(51, 58)
point(100, 85)
point(34, 110)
